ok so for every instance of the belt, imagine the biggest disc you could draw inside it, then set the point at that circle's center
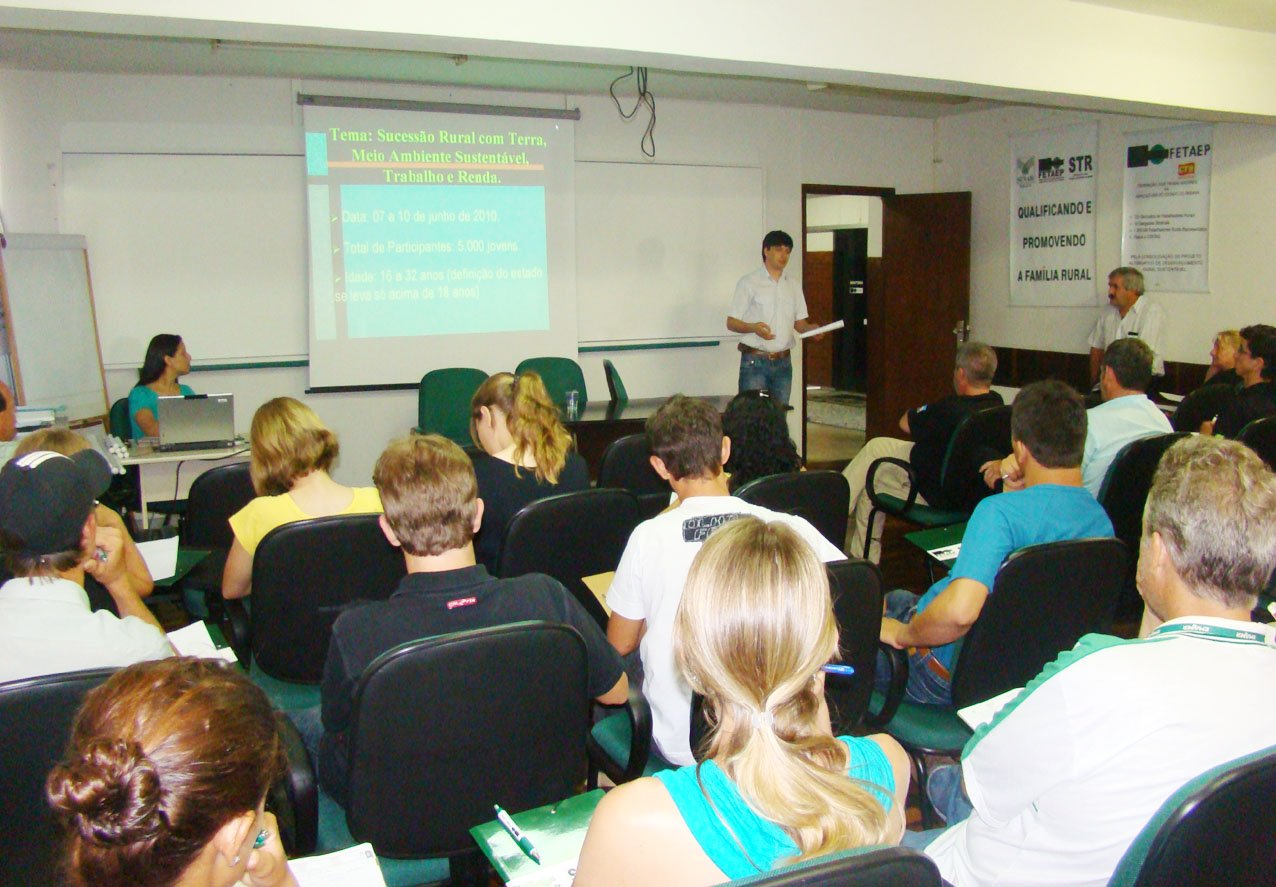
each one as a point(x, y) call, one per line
point(933, 665)
point(758, 352)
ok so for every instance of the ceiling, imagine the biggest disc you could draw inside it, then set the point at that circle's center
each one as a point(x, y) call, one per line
point(1249, 15)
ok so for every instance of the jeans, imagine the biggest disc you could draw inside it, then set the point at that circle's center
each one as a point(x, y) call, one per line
point(923, 684)
point(774, 376)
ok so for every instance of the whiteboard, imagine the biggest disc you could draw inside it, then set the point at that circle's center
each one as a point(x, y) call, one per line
point(51, 321)
point(660, 248)
point(211, 247)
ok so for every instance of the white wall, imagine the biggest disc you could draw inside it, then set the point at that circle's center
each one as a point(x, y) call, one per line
point(974, 155)
point(42, 114)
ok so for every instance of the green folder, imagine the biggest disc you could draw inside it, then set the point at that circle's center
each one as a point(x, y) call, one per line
point(557, 831)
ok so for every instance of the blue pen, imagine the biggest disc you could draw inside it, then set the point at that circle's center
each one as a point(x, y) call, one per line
point(838, 668)
point(524, 843)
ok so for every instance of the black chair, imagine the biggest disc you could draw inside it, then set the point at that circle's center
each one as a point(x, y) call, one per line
point(1123, 494)
point(822, 497)
point(1260, 436)
point(570, 536)
point(35, 724)
point(1202, 405)
point(980, 437)
point(865, 867)
point(214, 496)
point(626, 465)
point(125, 492)
point(1217, 829)
point(1044, 599)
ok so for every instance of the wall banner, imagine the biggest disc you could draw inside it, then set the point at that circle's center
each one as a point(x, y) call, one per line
point(1165, 227)
point(1052, 196)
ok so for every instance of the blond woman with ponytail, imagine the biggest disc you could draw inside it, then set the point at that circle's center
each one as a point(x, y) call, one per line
point(774, 786)
point(514, 421)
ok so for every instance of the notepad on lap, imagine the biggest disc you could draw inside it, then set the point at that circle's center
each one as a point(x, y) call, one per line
point(352, 867)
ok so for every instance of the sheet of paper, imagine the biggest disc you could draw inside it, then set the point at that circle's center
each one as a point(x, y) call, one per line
point(353, 867)
point(946, 552)
point(598, 584)
point(827, 328)
point(981, 713)
point(160, 557)
point(194, 640)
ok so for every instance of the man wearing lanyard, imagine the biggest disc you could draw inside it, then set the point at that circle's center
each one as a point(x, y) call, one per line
point(767, 307)
point(1069, 771)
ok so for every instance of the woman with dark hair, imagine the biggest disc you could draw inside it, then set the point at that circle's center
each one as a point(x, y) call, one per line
point(165, 780)
point(166, 361)
point(760, 442)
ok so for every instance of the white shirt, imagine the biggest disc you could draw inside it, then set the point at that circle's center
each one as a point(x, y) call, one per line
point(1068, 774)
point(46, 627)
point(777, 303)
point(1145, 320)
point(1112, 425)
point(648, 585)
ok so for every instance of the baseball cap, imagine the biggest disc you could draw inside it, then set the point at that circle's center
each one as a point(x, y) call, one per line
point(46, 497)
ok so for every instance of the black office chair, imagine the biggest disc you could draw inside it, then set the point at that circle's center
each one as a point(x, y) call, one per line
point(1044, 599)
point(626, 465)
point(822, 497)
point(1260, 436)
point(980, 437)
point(214, 497)
point(570, 536)
point(125, 492)
point(1217, 829)
point(1202, 405)
point(864, 867)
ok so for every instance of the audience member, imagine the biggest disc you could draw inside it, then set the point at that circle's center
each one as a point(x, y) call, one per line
point(292, 453)
point(1222, 368)
point(432, 512)
point(688, 451)
point(1126, 413)
point(166, 361)
point(8, 414)
point(1256, 396)
point(1048, 432)
point(50, 539)
point(931, 427)
point(753, 628)
point(1067, 774)
point(165, 780)
point(530, 455)
point(1128, 314)
point(760, 442)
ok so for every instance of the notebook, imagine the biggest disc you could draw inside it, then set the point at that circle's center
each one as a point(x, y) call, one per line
point(196, 422)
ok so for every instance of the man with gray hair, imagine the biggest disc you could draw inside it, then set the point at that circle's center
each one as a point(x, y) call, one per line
point(1128, 315)
point(930, 426)
point(1068, 772)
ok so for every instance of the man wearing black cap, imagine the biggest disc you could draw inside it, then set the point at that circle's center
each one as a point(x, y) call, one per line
point(50, 539)
point(767, 307)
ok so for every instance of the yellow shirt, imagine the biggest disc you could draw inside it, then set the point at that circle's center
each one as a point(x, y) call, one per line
point(252, 522)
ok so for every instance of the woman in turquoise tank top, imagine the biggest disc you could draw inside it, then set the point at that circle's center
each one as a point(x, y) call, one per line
point(774, 786)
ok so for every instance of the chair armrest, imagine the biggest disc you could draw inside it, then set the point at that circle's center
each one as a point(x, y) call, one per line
point(237, 626)
point(872, 473)
point(895, 690)
point(294, 799)
point(639, 711)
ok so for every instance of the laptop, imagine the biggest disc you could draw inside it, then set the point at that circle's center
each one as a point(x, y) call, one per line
point(196, 422)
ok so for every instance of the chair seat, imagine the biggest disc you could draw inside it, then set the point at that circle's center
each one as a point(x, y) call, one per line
point(925, 515)
point(284, 695)
point(930, 727)
point(612, 737)
point(334, 836)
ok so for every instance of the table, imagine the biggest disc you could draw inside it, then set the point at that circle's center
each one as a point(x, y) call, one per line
point(168, 475)
point(600, 422)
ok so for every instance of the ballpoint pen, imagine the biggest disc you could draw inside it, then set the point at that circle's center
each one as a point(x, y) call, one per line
point(524, 843)
point(837, 668)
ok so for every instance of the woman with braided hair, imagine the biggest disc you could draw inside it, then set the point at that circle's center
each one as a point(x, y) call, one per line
point(754, 628)
point(165, 779)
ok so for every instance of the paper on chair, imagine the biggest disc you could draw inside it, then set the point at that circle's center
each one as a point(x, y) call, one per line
point(160, 557)
point(353, 867)
point(827, 328)
point(194, 640)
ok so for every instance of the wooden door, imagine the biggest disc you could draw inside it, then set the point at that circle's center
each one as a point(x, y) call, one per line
point(925, 294)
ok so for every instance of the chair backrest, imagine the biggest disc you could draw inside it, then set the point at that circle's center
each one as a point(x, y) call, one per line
point(856, 586)
point(560, 375)
point(1216, 829)
point(35, 724)
point(1125, 487)
point(569, 536)
point(1199, 406)
point(214, 497)
point(304, 573)
point(1045, 597)
point(865, 867)
point(445, 727)
point(626, 465)
point(980, 437)
point(1260, 436)
point(119, 420)
point(443, 402)
point(615, 386)
point(822, 497)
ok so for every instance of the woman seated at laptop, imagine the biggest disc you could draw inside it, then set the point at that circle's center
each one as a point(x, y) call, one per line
point(530, 455)
point(165, 781)
point(774, 786)
point(292, 453)
point(166, 361)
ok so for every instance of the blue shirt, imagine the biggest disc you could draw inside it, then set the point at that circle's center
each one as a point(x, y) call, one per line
point(143, 398)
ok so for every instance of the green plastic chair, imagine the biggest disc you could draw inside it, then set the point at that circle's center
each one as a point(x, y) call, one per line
point(443, 402)
point(560, 375)
point(615, 386)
